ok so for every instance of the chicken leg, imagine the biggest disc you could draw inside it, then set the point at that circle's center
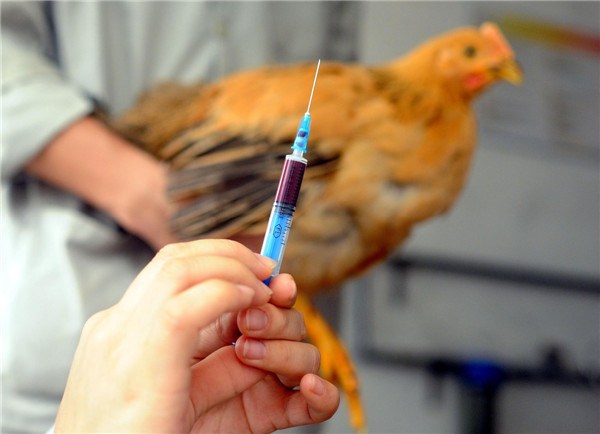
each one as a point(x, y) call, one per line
point(336, 364)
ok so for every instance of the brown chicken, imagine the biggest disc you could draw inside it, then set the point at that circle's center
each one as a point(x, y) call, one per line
point(390, 146)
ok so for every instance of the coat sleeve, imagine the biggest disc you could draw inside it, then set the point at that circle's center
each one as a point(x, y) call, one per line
point(37, 101)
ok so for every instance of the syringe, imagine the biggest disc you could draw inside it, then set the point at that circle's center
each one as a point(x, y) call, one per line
point(288, 190)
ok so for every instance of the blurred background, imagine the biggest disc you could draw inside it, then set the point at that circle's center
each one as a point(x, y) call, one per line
point(488, 319)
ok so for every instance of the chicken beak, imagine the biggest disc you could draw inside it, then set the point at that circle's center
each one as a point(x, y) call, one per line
point(510, 71)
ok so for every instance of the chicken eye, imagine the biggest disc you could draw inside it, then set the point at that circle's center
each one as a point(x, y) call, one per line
point(470, 51)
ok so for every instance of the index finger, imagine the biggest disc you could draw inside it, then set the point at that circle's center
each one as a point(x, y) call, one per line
point(184, 264)
point(260, 265)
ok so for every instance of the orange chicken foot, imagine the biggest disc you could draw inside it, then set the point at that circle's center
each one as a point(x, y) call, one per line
point(336, 364)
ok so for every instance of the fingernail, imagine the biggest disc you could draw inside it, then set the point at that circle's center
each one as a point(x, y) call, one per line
point(268, 290)
point(254, 349)
point(294, 293)
point(256, 319)
point(317, 386)
point(267, 261)
point(246, 290)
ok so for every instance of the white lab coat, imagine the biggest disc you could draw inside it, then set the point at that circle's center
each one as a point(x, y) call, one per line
point(63, 260)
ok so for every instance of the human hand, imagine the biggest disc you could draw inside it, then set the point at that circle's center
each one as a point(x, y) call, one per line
point(141, 205)
point(161, 359)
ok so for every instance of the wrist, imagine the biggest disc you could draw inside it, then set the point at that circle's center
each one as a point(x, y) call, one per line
point(131, 178)
point(136, 196)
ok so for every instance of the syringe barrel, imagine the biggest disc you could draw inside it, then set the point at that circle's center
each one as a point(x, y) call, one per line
point(291, 180)
point(283, 210)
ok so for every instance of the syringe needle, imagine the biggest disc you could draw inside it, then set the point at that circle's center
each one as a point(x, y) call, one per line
point(313, 88)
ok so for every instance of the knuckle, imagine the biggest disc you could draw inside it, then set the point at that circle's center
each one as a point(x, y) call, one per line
point(231, 248)
point(303, 332)
point(220, 291)
point(175, 266)
point(288, 356)
point(169, 251)
point(91, 324)
point(172, 317)
point(224, 327)
point(317, 360)
point(96, 330)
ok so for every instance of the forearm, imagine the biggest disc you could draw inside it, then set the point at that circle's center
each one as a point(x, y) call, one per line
point(90, 161)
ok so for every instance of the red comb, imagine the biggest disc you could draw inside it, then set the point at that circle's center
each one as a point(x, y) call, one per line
point(493, 33)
